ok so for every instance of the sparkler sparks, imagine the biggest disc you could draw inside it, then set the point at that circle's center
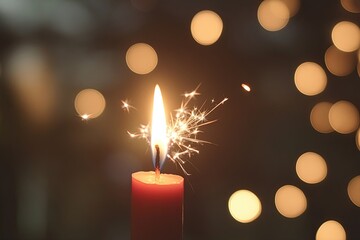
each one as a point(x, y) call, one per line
point(246, 87)
point(183, 129)
point(85, 117)
point(126, 105)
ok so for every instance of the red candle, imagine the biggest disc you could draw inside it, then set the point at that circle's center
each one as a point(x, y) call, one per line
point(156, 206)
point(157, 199)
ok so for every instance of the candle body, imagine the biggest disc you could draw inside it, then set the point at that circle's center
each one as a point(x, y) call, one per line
point(156, 207)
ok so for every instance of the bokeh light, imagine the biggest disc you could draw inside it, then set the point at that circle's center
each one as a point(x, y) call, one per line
point(331, 230)
point(354, 190)
point(244, 206)
point(206, 27)
point(338, 62)
point(273, 15)
point(310, 78)
point(319, 117)
point(89, 103)
point(292, 5)
point(344, 117)
point(311, 168)
point(141, 58)
point(290, 201)
point(351, 5)
point(346, 36)
point(358, 139)
point(33, 82)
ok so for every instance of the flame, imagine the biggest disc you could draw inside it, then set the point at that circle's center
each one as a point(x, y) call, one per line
point(158, 127)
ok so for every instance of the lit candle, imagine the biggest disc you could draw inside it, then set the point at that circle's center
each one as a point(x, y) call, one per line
point(157, 199)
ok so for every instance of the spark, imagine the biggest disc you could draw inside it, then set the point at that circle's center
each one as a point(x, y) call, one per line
point(183, 128)
point(126, 105)
point(192, 94)
point(246, 87)
point(85, 117)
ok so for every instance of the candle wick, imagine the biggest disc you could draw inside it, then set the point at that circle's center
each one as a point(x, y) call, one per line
point(157, 163)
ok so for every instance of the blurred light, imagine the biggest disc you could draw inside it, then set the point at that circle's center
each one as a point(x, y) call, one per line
point(69, 17)
point(290, 201)
point(338, 62)
point(206, 27)
point(354, 190)
point(344, 117)
point(346, 36)
point(33, 82)
point(244, 206)
point(246, 87)
point(358, 139)
point(311, 167)
point(141, 58)
point(273, 15)
point(89, 103)
point(292, 5)
point(310, 78)
point(319, 117)
point(331, 230)
point(351, 5)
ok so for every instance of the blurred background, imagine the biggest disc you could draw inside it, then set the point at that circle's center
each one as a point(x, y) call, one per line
point(287, 137)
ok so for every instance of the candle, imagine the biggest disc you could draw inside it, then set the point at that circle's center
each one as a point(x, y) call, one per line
point(156, 198)
point(157, 206)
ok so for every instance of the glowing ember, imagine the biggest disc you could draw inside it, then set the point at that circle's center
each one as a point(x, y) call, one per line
point(246, 87)
point(183, 129)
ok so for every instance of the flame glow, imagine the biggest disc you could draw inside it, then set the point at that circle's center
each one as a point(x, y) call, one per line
point(182, 129)
point(158, 127)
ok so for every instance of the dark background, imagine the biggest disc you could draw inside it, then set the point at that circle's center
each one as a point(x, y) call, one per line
point(64, 178)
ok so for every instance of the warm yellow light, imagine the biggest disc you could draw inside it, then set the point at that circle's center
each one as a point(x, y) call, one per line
point(158, 127)
point(206, 27)
point(351, 5)
point(346, 36)
point(331, 230)
point(273, 15)
point(141, 58)
point(311, 168)
point(354, 190)
point(244, 206)
point(290, 201)
point(89, 103)
point(338, 62)
point(344, 117)
point(310, 78)
point(319, 117)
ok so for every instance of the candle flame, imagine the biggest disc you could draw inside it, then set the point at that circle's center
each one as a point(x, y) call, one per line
point(177, 140)
point(158, 127)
